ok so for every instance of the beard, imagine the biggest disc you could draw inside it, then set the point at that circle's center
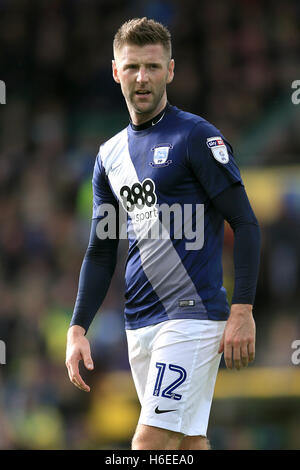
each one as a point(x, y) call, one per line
point(149, 105)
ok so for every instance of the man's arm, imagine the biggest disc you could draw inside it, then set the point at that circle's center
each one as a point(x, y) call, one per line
point(238, 342)
point(95, 276)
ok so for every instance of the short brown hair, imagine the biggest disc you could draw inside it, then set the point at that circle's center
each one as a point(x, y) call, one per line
point(142, 31)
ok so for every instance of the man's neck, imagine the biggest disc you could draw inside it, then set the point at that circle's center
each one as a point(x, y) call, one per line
point(150, 122)
point(138, 119)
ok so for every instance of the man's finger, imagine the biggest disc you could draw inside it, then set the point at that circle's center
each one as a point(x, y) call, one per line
point(87, 360)
point(75, 377)
point(251, 351)
point(244, 354)
point(78, 382)
point(228, 355)
point(237, 356)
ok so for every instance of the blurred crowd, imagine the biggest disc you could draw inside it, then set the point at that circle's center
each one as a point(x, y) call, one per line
point(235, 62)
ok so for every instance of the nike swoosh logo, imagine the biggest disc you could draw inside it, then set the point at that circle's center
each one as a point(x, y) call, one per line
point(157, 411)
point(115, 165)
point(153, 124)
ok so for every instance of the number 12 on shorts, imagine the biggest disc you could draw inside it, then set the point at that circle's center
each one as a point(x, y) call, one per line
point(168, 392)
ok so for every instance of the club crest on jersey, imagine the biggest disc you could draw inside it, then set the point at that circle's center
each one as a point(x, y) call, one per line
point(218, 148)
point(160, 155)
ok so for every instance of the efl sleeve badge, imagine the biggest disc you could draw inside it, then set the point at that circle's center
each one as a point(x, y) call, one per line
point(218, 148)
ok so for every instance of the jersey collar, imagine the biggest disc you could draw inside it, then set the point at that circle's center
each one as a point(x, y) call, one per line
point(152, 121)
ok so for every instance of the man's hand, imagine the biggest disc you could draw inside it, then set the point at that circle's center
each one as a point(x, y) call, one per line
point(238, 341)
point(78, 348)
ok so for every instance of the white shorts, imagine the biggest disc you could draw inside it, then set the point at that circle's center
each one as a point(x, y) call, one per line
point(174, 366)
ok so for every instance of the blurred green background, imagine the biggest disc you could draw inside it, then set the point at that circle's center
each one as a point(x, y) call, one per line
point(235, 64)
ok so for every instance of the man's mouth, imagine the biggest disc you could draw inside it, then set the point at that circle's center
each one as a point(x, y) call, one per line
point(142, 92)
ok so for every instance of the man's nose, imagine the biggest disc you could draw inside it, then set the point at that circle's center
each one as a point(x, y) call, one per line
point(142, 75)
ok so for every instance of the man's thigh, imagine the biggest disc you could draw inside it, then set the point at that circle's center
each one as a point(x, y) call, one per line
point(154, 438)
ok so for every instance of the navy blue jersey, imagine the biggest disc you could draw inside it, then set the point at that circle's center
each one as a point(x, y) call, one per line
point(182, 161)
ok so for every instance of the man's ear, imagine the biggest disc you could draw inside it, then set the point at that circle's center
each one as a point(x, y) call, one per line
point(115, 71)
point(171, 71)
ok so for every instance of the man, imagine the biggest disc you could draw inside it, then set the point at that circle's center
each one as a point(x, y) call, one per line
point(176, 313)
